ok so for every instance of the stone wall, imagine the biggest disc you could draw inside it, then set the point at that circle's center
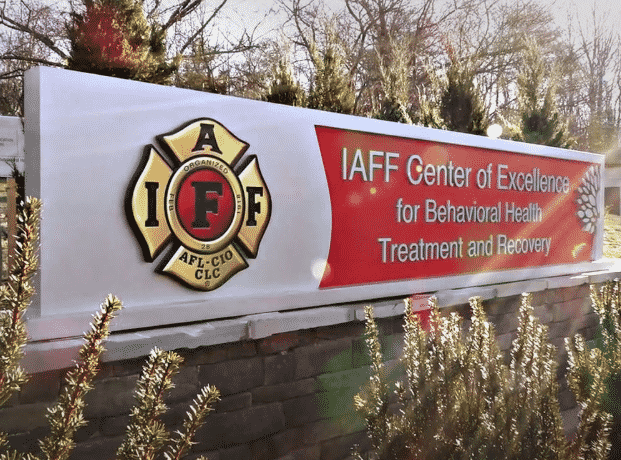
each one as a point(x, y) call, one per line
point(288, 395)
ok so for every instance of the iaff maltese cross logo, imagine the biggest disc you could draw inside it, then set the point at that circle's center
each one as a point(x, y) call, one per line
point(213, 207)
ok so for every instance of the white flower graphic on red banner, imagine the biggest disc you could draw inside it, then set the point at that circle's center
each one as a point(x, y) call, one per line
point(588, 212)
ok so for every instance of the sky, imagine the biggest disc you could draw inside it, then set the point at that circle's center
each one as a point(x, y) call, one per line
point(252, 11)
point(609, 10)
point(238, 14)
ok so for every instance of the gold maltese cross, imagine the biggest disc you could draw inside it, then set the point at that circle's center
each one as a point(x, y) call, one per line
point(212, 206)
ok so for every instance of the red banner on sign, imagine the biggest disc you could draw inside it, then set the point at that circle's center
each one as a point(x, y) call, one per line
point(410, 209)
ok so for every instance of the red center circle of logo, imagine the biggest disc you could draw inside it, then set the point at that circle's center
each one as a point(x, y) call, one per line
point(205, 204)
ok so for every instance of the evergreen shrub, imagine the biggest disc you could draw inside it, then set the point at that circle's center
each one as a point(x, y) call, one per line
point(114, 38)
point(460, 400)
point(283, 88)
point(146, 436)
point(607, 305)
point(395, 83)
point(331, 88)
point(540, 119)
point(462, 107)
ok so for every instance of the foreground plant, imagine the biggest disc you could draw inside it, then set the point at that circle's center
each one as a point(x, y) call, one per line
point(607, 304)
point(459, 400)
point(146, 435)
point(15, 297)
point(68, 414)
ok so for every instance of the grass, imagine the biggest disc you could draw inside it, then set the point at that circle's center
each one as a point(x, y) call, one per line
point(612, 236)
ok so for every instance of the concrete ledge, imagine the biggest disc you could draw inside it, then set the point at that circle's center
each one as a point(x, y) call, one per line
point(452, 297)
point(266, 324)
point(381, 309)
point(511, 289)
point(57, 354)
point(567, 281)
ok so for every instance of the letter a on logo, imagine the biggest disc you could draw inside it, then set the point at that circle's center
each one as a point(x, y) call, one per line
point(206, 137)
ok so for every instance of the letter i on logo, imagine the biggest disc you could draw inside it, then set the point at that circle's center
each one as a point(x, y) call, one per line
point(203, 197)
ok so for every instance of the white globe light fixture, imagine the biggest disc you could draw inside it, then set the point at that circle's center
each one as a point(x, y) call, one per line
point(494, 131)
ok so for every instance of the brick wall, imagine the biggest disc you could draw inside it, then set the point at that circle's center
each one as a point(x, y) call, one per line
point(287, 396)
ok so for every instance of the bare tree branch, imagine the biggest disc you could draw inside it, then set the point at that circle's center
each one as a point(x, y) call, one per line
point(32, 60)
point(182, 10)
point(25, 28)
point(199, 31)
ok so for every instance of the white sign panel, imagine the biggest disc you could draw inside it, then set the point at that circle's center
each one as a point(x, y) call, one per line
point(11, 145)
point(192, 206)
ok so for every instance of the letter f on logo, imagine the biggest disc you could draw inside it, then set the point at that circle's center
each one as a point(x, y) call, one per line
point(202, 204)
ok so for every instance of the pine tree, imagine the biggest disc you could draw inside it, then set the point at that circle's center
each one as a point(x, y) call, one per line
point(283, 88)
point(113, 37)
point(198, 70)
point(395, 82)
point(462, 108)
point(331, 89)
point(540, 119)
point(426, 111)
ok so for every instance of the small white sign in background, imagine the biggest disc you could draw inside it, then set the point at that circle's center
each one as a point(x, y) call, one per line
point(11, 145)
